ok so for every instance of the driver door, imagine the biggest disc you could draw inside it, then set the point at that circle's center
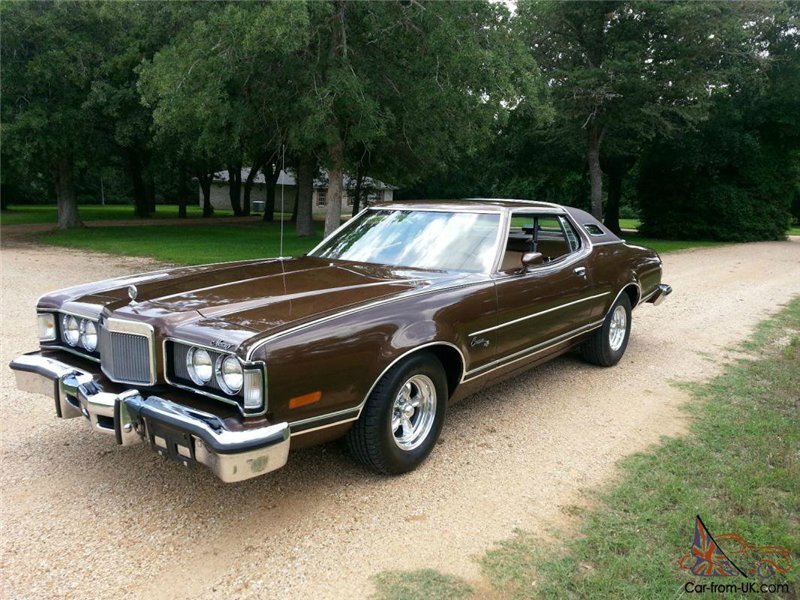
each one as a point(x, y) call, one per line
point(540, 305)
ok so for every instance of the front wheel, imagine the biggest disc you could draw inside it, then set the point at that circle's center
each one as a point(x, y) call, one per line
point(607, 344)
point(402, 417)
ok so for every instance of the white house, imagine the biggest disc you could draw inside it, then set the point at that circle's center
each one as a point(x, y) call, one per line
point(372, 191)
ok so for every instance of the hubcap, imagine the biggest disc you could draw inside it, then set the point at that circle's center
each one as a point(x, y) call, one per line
point(619, 325)
point(413, 412)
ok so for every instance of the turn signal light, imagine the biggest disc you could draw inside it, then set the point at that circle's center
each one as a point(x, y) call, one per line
point(305, 399)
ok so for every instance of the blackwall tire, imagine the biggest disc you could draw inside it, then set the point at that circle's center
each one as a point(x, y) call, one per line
point(402, 418)
point(607, 345)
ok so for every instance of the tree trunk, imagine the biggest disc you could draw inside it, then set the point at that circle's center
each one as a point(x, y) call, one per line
point(357, 193)
point(293, 218)
point(333, 216)
point(68, 216)
point(595, 172)
point(184, 190)
point(150, 192)
point(272, 172)
point(304, 225)
point(612, 205)
point(235, 188)
point(136, 174)
point(205, 179)
point(248, 188)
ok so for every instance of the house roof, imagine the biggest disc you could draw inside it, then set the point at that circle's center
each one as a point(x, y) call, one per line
point(321, 181)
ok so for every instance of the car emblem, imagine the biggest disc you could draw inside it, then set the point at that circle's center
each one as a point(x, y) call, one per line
point(221, 345)
point(482, 342)
point(132, 293)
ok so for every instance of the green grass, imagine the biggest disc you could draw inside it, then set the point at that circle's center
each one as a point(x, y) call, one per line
point(24, 215)
point(186, 244)
point(629, 223)
point(424, 584)
point(635, 223)
point(739, 468)
point(662, 246)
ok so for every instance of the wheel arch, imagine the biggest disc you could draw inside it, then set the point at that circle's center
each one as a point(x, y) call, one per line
point(450, 355)
point(633, 291)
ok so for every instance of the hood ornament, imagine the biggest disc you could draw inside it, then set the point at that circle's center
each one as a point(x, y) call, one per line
point(132, 293)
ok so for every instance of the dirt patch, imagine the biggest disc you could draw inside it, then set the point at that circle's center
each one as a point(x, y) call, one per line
point(84, 518)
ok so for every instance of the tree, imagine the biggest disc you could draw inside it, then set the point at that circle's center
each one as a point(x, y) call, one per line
point(132, 33)
point(50, 53)
point(220, 85)
point(412, 85)
point(734, 177)
point(622, 72)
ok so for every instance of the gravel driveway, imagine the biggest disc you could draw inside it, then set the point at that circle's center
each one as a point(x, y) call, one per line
point(82, 518)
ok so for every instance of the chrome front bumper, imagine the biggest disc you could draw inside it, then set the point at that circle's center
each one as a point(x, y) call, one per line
point(173, 430)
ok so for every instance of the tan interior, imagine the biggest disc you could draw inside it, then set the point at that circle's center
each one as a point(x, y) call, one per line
point(519, 245)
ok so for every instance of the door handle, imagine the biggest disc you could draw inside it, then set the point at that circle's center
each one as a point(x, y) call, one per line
point(579, 271)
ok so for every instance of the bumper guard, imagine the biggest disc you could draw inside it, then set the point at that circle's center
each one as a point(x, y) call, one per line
point(173, 430)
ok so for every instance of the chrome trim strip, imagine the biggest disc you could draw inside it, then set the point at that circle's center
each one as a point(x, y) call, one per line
point(609, 243)
point(246, 364)
point(532, 350)
point(548, 205)
point(356, 309)
point(454, 209)
point(537, 314)
point(624, 287)
point(646, 298)
point(326, 426)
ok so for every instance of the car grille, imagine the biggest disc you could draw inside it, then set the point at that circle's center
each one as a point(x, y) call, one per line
point(126, 351)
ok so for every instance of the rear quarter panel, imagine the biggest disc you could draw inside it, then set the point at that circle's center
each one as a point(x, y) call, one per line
point(614, 266)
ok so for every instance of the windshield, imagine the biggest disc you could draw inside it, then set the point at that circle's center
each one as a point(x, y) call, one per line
point(441, 241)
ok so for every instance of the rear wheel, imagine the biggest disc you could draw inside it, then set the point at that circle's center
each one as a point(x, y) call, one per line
point(607, 344)
point(402, 418)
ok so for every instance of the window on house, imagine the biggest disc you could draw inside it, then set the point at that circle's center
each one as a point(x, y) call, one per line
point(375, 197)
point(322, 199)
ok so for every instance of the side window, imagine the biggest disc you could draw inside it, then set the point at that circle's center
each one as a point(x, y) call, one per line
point(552, 235)
point(572, 236)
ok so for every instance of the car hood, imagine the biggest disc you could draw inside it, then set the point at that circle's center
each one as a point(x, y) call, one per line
point(259, 296)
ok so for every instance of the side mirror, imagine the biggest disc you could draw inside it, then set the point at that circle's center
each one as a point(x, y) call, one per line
point(531, 259)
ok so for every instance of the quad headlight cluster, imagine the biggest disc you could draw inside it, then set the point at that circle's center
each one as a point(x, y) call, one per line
point(226, 369)
point(227, 373)
point(75, 330)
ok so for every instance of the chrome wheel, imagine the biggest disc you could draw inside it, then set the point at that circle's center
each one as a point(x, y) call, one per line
point(618, 328)
point(413, 412)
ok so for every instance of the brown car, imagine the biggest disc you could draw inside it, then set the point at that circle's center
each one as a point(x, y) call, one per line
point(404, 309)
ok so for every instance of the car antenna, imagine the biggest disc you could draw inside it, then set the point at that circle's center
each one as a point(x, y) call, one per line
point(283, 183)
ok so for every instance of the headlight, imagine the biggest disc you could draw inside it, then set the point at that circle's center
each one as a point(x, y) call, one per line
point(229, 374)
point(88, 335)
point(70, 331)
point(46, 323)
point(200, 366)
